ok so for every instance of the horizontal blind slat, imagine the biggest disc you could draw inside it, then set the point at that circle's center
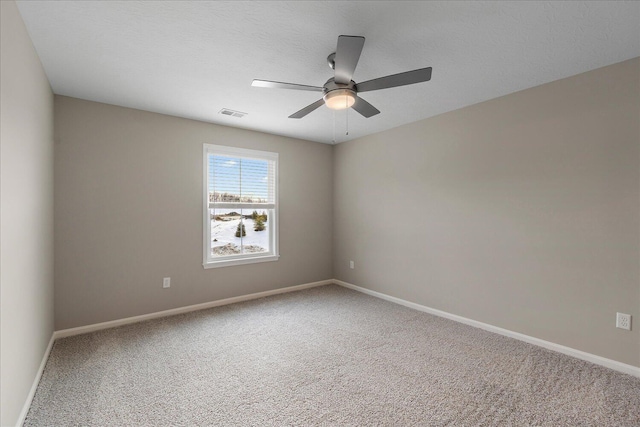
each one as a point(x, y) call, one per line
point(251, 206)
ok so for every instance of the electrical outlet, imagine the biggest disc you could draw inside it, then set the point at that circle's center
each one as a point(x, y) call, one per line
point(352, 265)
point(166, 282)
point(623, 321)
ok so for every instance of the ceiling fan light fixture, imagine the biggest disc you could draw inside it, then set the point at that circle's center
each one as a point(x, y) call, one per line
point(340, 99)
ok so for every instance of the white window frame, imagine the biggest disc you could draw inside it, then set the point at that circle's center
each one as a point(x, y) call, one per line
point(273, 254)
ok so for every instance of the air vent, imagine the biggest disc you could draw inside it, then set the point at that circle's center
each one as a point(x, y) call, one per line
point(232, 113)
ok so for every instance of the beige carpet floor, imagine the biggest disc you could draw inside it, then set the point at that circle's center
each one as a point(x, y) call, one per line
point(323, 356)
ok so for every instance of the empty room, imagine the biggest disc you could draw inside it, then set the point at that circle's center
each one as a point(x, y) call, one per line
point(313, 213)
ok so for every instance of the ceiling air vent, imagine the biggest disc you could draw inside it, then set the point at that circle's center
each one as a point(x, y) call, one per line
point(232, 113)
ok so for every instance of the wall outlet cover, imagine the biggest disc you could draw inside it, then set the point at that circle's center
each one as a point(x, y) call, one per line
point(623, 321)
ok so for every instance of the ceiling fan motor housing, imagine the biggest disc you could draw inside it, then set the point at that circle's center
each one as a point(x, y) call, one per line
point(331, 85)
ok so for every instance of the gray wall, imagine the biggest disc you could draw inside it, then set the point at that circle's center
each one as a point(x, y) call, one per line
point(128, 209)
point(26, 242)
point(522, 212)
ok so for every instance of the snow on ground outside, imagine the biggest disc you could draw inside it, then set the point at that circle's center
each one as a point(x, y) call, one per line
point(225, 233)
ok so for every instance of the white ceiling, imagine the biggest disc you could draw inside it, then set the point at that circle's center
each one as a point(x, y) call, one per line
point(193, 58)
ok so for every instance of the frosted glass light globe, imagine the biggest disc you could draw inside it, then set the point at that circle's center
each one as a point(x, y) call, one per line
point(340, 99)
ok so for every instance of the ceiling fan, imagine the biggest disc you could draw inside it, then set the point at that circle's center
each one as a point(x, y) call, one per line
point(340, 92)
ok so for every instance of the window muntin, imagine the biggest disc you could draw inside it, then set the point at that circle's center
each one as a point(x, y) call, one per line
point(240, 203)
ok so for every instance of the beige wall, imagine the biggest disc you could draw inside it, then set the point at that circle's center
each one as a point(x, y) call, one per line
point(128, 208)
point(26, 242)
point(522, 212)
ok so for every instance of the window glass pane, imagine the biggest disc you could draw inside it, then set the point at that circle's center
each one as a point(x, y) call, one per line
point(255, 180)
point(238, 231)
point(224, 179)
point(257, 225)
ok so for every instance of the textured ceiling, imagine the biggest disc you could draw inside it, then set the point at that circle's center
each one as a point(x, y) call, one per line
point(193, 58)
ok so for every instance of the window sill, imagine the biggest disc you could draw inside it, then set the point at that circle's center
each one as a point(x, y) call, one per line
point(230, 262)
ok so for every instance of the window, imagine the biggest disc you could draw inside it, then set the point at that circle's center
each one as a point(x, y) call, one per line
point(240, 206)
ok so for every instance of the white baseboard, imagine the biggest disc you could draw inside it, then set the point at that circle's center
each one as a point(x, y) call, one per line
point(36, 381)
point(598, 360)
point(135, 319)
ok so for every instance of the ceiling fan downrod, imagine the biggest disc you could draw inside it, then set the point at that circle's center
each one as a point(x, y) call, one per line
point(331, 60)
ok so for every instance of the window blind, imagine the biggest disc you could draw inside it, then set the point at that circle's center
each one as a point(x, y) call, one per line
point(236, 182)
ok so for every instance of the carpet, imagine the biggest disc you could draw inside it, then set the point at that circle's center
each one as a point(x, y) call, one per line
point(321, 356)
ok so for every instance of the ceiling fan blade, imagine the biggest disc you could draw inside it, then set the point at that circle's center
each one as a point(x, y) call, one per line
point(347, 56)
point(364, 108)
point(306, 110)
point(394, 80)
point(280, 85)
